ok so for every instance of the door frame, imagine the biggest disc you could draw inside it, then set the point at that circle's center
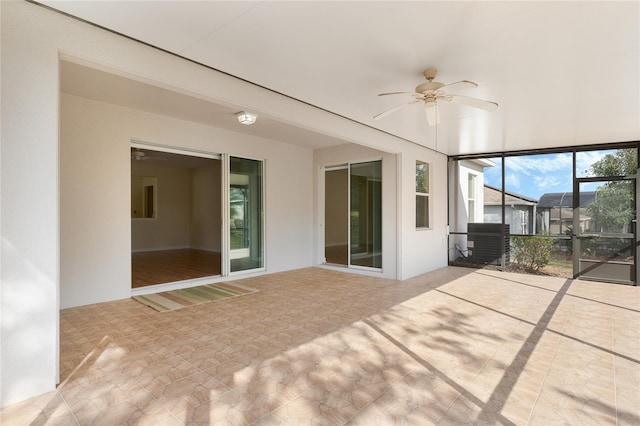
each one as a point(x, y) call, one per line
point(577, 235)
point(226, 216)
point(322, 211)
point(224, 159)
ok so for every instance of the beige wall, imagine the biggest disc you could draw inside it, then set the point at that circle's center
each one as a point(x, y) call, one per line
point(188, 211)
point(170, 229)
point(74, 248)
point(407, 251)
point(103, 239)
point(423, 250)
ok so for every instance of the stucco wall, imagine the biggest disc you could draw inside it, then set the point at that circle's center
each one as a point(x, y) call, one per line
point(459, 206)
point(95, 222)
point(29, 207)
point(423, 250)
point(32, 42)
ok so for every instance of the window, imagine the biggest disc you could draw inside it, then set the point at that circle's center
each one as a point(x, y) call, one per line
point(422, 194)
point(471, 199)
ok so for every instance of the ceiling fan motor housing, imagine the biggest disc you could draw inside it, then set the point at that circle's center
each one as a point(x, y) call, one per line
point(429, 86)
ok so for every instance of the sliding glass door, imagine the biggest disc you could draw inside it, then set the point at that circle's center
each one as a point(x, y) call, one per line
point(353, 215)
point(246, 214)
point(366, 214)
point(336, 215)
point(176, 215)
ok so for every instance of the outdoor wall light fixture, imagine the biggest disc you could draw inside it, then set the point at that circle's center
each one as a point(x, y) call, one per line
point(246, 118)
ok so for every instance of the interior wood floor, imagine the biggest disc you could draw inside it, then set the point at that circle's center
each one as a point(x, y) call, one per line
point(158, 267)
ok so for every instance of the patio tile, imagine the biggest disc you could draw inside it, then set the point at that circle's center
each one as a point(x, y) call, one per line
point(314, 346)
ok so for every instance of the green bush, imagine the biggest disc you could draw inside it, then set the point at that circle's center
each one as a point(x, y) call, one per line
point(531, 252)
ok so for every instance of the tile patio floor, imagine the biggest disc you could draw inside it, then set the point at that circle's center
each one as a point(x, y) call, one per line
point(314, 346)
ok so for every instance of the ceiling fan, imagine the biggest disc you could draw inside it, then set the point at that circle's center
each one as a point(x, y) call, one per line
point(431, 93)
point(139, 155)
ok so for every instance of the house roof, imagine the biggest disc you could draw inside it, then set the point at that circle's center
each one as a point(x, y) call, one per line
point(493, 195)
point(565, 199)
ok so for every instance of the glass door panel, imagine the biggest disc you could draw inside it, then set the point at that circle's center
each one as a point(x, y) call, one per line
point(366, 214)
point(245, 215)
point(336, 219)
point(605, 230)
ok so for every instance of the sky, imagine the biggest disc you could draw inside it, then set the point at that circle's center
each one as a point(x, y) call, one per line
point(534, 175)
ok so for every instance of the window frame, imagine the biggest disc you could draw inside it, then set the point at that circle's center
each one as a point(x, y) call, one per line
point(471, 197)
point(423, 194)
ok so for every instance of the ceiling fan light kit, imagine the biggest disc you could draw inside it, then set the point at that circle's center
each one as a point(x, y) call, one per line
point(431, 93)
point(138, 155)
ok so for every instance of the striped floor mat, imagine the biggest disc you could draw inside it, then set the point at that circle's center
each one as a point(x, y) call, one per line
point(177, 299)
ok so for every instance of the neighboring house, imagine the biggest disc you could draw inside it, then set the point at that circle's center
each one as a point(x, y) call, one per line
point(467, 195)
point(519, 210)
point(555, 212)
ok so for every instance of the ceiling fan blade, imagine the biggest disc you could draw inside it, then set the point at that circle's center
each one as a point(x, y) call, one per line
point(473, 102)
point(433, 115)
point(462, 84)
point(397, 93)
point(394, 109)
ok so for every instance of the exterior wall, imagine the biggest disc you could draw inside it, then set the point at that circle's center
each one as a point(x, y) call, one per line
point(32, 41)
point(422, 250)
point(29, 207)
point(95, 222)
point(407, 251)
point(493, 214)
point(459, 187)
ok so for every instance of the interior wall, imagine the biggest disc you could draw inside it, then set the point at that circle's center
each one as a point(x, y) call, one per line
point(171, 227)
point(188, 208)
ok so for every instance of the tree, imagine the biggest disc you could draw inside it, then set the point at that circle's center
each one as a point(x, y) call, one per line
point(613, 208)
point(623, 162)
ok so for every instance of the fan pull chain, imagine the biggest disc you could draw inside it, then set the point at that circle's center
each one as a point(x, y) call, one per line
point(437, 125)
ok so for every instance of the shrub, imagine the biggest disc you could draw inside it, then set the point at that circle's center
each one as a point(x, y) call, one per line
point(531, 252)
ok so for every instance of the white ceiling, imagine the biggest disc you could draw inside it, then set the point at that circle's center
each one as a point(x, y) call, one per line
point(80, 80)
point(563, 73)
